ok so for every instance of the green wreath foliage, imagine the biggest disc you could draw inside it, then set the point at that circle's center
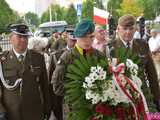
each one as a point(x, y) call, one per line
point(81, 108)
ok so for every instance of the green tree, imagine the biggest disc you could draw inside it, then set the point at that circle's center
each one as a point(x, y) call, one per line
point(32, 18)
point(58, 13)
point(71, 15)
point(130, 7)
point(113, 6)
point(99, 4)
point(151, 8)
point(87, 9)
point(7, 15)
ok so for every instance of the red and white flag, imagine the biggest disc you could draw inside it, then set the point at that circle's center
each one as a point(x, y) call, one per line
point(100, 16)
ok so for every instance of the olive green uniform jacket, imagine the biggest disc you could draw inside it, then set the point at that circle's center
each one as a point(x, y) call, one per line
point(58, 45)
point(54, 57)
point(66, 59)
point(140, 48)
point(31, 101)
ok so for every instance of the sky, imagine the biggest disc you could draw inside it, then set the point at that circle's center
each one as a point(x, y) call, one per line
point(22, 6)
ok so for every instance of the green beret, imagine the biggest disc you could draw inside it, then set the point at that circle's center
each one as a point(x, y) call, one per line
point(83, 28)
point(127, 20)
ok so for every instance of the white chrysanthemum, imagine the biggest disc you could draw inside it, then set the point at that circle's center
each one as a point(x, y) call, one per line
point(136, 80)
point(106, 95)
point(93, 77)
point(96, 99)
point(129, 63)
point(84, 85)
point(89, 82)
point(133, 68)
point(99, 69)
point(109, 92)
point(89, 94)
point(93, 69)
point(102, 75)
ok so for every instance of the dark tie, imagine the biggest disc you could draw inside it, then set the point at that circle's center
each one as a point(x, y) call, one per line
point(87, 52)
point(128, 45)
point(84, 52)
point(21, 61)
point(21, 58)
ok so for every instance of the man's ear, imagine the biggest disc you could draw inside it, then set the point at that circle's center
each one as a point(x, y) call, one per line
point(117, 28)
point(135, 28)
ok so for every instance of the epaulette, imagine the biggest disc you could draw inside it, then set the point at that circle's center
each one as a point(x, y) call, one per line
point(3, 55)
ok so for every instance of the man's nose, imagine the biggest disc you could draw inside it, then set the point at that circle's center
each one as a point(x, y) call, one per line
point(128, 31)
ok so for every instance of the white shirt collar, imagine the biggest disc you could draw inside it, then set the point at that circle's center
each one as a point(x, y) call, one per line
point(17, 54)
point(125, 43)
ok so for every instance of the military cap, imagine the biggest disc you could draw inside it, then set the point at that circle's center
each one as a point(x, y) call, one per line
point(72, 36)
point(127, 20)
point(83, 28)
point(20, 29)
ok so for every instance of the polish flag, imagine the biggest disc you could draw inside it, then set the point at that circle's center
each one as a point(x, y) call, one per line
point(100, 16)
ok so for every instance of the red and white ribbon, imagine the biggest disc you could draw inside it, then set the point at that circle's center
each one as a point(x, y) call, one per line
point(118, 72)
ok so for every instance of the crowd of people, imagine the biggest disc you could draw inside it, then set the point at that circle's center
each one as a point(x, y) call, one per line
point(33, 77)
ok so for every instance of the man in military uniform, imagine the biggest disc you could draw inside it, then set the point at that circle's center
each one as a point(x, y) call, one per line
point(59, 42)
point(84, 33)
point(57, 101)
point(24, 89)
point(126, 28)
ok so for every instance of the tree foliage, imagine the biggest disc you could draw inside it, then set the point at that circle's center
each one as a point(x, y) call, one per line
point(130, 7)
point(87, 9)
point(113, 6)
point(99, 4)
point(151, 8)
point(32, 18)
point(7, 15)
point(71, 15)
point(58, 13)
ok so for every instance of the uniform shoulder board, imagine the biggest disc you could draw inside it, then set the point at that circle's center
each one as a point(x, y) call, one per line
point(3, 55)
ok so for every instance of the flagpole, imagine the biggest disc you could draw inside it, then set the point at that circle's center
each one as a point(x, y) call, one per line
point(50, 13)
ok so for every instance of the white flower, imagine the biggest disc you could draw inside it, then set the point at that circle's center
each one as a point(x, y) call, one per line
point(133, 68)
point(93, 69)
point(109, 92)
point(96, 99)
point(102, 75)
point(89, 82)
point(136, 80)
point(99, 69)
point(129, 63)
point(93, 76)
point(84, 85)
point(88, 94)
